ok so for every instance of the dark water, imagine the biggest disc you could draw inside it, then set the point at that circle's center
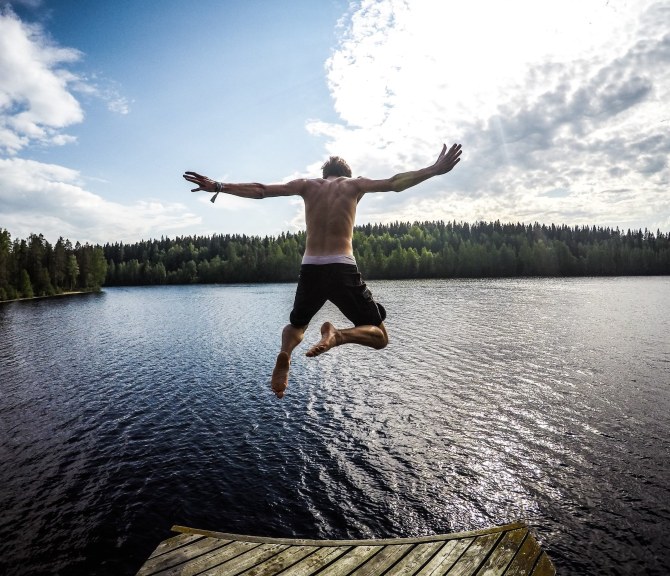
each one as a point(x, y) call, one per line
point(547, 401)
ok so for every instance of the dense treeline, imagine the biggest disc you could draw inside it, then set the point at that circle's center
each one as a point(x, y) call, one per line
point(33, 267)
point(400, 250)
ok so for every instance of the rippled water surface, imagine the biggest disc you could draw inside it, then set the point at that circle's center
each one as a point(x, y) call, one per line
point(546, 401)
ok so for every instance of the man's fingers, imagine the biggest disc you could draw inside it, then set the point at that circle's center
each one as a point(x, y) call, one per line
point(196, 179)
point(455, 151)
point(441, 155)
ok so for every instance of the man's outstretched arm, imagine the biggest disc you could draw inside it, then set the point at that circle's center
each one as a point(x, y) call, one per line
point(251, 190)
point(445, 162)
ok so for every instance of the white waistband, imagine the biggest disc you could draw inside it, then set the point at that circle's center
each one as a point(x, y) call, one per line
point(332, 259)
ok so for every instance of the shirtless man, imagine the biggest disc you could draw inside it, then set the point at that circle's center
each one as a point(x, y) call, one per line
point(329, 270)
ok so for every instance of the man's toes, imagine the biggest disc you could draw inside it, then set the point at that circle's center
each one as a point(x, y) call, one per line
point(279, 388)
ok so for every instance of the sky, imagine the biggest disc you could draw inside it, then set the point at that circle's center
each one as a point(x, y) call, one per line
point(562, 108)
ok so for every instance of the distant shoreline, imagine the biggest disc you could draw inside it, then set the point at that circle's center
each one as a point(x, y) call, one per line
point(73, 293)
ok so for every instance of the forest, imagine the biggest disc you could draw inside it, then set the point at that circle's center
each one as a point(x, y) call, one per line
point(400, 250)
point(33, 267)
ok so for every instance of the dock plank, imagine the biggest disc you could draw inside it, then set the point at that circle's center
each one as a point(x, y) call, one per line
point(544, 567)
point(383, 560)
point(503, 554)
point(525, 558)
point(243, 562)
point(472, 558)
point(350, 561)
point(174, 542)
point(281, 561)
point(415, 559)
point(509, 550)
point(313, 562)
point(198, 564)
point(447, 556)
point(181, 555)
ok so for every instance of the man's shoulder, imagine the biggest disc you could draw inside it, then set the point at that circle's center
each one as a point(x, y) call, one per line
point(344, 182)
point(302, 185)
point(338, 183)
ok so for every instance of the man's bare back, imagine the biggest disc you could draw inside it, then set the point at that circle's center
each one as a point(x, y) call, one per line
point(330, 213)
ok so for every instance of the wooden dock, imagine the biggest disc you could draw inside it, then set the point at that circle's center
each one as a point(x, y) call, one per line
point(509, 550)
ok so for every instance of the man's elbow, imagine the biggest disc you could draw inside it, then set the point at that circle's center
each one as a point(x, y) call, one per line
point(260, 192)
point(397, 184)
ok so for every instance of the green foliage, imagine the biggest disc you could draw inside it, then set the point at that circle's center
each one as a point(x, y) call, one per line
point(33, 267)
point(25, 287)
point(392, 251)
point(204, 259)
point(398, 250)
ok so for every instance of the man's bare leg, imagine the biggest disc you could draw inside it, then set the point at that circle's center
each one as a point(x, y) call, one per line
point(368, 335)
point(291, 336)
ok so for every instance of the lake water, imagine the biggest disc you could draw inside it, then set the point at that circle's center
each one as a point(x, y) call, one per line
point(540, 400)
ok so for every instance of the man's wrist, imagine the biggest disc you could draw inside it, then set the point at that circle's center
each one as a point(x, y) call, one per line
point(218, 187)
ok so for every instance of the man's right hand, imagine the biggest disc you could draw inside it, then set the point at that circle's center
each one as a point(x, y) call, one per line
point(204, 183)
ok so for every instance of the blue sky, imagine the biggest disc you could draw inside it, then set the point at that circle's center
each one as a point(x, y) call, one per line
point(562, 107)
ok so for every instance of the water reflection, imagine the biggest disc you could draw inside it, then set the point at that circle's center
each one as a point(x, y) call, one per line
point(540, 400)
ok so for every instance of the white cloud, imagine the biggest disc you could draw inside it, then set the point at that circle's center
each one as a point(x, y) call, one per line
point(36, 88)
point(52, 200)
point(118, 104)
point(34, 96)
point(544, 96)
point(37, 105)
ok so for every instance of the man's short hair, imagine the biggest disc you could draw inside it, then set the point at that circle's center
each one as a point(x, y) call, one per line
point(336, 166)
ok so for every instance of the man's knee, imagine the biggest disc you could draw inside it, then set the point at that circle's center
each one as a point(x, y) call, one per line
point(299, 321)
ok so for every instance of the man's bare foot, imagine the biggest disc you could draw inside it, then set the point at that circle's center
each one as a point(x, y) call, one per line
point(280, 374)
point(330, 337)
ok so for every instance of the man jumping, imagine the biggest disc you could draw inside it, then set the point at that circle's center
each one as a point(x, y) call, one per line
point(329, 270)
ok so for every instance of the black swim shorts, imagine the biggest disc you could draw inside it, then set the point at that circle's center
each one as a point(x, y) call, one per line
point(343, 286)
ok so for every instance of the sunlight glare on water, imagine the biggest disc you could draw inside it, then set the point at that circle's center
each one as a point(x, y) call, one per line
point(544, 401)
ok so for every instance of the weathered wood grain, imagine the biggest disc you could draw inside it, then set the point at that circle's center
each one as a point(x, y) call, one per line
point(509, 550)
